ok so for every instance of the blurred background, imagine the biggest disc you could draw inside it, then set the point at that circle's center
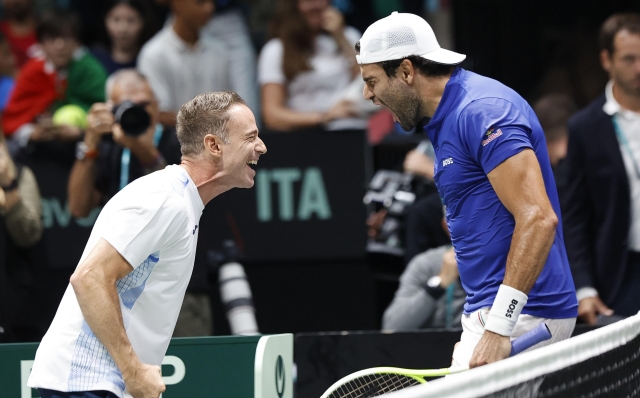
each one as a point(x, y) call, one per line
point(321, 242)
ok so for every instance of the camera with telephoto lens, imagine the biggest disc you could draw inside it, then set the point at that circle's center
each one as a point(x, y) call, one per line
point(235, 291)
point(396, 192)
point(392, 190)
point(132, 117)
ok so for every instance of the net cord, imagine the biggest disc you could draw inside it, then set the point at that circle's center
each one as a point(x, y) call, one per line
point(529, 365)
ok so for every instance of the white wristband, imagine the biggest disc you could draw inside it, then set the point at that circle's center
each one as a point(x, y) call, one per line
point(506, 308)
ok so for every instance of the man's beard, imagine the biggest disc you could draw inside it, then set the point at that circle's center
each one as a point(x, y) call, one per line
point(409, 113)
point(406, 105)
point(628, 88)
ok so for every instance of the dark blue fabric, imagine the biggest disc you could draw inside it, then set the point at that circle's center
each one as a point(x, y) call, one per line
point(78, 394)
point(6, 87)
point(479, 124)
point(104, 56)
point(596, 203)
point(627, 300)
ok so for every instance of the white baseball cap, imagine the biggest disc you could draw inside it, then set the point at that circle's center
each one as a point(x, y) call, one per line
point(400, 35)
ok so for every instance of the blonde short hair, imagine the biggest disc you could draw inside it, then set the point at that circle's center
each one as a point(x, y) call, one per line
point(204, 114)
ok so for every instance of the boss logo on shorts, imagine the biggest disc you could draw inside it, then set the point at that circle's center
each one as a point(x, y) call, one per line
point(447, 162)
point(512, 307)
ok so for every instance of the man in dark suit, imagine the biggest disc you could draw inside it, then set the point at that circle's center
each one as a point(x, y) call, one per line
point(601, 202)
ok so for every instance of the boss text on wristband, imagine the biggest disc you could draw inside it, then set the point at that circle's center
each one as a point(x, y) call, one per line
point(506, 308)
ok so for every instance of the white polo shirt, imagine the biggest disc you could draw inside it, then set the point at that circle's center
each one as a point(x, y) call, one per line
point(152, 223)
point(178, 72)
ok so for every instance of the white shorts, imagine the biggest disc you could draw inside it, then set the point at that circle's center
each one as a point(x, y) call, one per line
point(473, 329)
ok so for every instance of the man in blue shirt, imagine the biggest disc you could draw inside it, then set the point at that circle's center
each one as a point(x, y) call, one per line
point(492, 171)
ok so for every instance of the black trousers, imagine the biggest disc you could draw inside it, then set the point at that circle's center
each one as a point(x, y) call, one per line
point(627, 301)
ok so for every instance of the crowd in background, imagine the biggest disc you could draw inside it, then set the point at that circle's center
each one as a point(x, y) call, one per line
point(65, 72)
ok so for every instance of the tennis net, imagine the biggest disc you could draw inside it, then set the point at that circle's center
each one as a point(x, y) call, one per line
point(601, 363)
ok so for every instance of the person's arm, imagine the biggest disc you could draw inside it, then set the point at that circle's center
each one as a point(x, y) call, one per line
point(141, 147)
point(418, 163)
point(94, 283)
point(21, 206)
point(520, 187)
point(82, 193)
point(273, 93)
point(414, 303)
point(23, 211)
point(334, 24)
point(278, 117)
point(168, 118)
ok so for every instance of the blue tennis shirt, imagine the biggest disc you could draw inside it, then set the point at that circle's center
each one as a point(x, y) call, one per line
point(479, 124)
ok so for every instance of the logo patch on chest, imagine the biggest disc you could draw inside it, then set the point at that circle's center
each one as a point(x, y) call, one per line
point(446, 162)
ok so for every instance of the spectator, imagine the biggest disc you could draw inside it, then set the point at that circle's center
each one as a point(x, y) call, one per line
point(19, 27)
point(180, 63)
point(67, 74)
point(125, 26)
point(104, 166)
point(423, 221)
point(308, 67)
point(21, 208)
point(424, 218)
point(601, 203)
point(7, 72)
point(430, 294)
point(553, 112)
point(229, 27)
point(21, 229)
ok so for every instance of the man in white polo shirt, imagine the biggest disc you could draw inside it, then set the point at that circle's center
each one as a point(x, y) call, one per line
point(180, 63)
point(116, 318)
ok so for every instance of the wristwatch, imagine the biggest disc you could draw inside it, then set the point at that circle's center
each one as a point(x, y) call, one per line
point(434, 289)
point(83, 151)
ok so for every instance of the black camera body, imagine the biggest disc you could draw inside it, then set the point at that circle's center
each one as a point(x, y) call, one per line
point(132, 117)
point(396, 192)
point(393, 191)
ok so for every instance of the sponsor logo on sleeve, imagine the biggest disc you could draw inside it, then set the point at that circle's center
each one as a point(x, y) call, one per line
point(491, 135)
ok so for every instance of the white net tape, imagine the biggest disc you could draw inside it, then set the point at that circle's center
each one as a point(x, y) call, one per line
point(529, 365)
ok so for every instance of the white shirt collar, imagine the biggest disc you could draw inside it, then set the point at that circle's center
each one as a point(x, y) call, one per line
point(612, 107)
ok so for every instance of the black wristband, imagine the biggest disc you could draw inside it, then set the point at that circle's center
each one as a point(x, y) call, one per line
point(435, 292)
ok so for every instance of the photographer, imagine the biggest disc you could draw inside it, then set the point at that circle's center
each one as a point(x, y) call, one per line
point(123, 141)
point(422, 223)
point(20, 203)
point(430, 294)
point(21, 228)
